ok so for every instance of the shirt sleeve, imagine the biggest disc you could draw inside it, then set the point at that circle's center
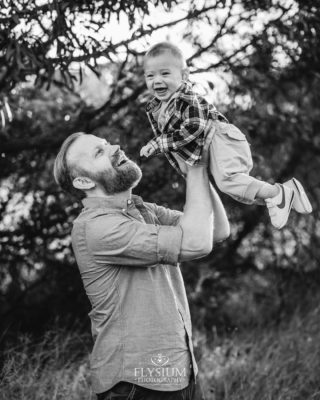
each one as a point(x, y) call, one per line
point(119, 240)
point(194, 120)
point(165, 215)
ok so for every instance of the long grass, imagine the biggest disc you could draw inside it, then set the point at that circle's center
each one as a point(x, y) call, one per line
point(53, 368)
point(282, 363)
point(276, 364)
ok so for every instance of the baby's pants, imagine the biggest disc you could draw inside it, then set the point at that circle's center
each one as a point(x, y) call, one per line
point(231, 163)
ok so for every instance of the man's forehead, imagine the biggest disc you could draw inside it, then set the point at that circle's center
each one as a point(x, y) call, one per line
point(84, 145)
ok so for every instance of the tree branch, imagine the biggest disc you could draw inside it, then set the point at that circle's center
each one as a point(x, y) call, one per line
point(221, 62)
point(213, 41)
point(141, 34)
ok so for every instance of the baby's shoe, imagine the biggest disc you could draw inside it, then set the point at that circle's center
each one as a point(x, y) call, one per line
point(279, 206)
point(301, 203)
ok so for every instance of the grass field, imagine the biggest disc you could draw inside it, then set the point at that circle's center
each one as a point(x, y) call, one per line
point(275, 364)
point(280, 363)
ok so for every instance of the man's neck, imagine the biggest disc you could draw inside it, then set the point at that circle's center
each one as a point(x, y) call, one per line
point(117, 197)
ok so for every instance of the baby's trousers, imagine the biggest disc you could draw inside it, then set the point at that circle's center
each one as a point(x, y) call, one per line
point(231, 163)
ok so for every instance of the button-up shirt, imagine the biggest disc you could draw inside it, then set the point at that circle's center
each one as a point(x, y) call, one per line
point(181, 125)
point(128, 259)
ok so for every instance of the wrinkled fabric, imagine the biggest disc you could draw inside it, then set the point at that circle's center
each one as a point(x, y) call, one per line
point(182, 124)
point(128, 259)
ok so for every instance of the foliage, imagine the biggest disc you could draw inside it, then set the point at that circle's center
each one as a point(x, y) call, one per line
point(54, 367)
point(278, 363)
point(273, 95)
point(31, 30)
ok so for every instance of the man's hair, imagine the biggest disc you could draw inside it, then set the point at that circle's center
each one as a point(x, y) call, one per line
point(64, 173)
point(164, 47)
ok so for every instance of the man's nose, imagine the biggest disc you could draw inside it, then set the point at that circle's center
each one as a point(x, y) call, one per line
point(114, 148)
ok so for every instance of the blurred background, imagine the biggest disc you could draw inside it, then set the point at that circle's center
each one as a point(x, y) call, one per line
point(68, 66)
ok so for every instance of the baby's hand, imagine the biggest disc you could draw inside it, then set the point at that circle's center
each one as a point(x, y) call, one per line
point(147, 150)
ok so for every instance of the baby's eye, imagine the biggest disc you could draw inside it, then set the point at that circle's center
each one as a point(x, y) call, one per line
point(165, 73)
point(100, 151)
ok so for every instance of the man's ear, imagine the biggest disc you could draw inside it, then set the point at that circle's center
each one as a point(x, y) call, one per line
point(83, 183)
point(185, 74)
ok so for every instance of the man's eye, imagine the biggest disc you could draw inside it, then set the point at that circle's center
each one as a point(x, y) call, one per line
point(149, 76)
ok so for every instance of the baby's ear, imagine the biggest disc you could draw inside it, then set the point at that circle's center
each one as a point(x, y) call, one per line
point(185, 74)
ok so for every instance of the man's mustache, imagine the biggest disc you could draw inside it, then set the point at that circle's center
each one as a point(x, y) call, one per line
point(120, 153)
point(115, 158)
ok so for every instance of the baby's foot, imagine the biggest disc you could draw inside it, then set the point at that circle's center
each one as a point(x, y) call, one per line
point(301, 203)
point(279, 206)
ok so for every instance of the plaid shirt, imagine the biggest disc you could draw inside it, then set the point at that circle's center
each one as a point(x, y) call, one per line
point(186, 116)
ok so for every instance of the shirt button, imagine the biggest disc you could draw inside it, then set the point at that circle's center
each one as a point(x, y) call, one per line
point(129, 201)
point(124, 210)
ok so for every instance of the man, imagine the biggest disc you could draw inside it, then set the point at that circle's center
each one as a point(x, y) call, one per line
point(128, 253)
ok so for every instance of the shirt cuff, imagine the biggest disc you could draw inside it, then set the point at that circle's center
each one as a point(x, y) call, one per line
point(154, 144)
point(169, 244)
point(160, 145)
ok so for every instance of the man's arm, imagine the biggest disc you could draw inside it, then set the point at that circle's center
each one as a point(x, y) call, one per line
point(197, 219)
point(166, 216)
point(118, 239)
point(204, 221)
point(221, 226)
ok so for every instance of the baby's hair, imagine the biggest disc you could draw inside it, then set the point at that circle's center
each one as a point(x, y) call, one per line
point(163, 47)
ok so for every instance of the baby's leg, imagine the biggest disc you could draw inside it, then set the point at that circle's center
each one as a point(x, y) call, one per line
point(231, 163)
point(267, 191)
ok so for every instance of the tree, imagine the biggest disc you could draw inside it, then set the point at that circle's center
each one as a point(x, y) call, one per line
point(271, 73)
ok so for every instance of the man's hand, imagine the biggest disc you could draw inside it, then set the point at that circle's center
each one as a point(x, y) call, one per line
point(147, 150)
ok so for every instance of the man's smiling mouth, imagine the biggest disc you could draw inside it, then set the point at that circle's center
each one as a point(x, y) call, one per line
point(120, 159)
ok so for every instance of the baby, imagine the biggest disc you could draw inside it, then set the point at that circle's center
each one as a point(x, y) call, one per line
point(178, 117)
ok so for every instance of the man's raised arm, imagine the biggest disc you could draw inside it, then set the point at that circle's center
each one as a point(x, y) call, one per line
point(204, 220)
point(197, 219)
point(221, 227)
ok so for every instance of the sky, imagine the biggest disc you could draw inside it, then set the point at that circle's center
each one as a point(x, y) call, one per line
point(117, 31)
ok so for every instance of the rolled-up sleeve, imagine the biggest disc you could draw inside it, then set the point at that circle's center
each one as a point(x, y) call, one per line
point(118, 240)
point(165, 215)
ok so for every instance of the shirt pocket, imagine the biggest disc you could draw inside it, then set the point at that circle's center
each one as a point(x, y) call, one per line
point(233, 132)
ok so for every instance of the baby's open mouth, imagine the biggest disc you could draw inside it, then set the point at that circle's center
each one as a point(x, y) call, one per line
point(160, 90)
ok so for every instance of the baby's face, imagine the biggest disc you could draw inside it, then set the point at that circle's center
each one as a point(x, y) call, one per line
point(164, 74)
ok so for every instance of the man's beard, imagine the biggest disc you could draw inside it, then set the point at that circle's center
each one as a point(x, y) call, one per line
point(120, 179)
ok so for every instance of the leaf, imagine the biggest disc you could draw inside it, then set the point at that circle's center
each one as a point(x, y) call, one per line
point(8, 110)
point(3, 120)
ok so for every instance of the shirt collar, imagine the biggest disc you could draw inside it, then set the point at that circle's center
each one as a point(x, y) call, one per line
point(111, 202)
point(185, 87)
